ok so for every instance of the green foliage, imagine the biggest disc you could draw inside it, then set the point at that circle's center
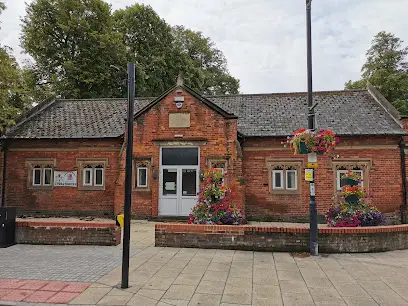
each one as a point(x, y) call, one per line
point(204, 66)
point(12, 97)
point(74, 46)
point(386, 68)
point(162, 52)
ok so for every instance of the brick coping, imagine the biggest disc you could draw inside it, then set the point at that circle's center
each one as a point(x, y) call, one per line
point(65, 223)
point(292, 228)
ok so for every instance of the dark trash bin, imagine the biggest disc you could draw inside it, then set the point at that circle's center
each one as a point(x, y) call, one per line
point(7, 226)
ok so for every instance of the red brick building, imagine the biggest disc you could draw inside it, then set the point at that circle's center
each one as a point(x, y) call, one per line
point(67, 156)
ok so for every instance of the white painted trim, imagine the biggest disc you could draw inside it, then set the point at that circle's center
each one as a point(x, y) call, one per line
point(43, 178)
point(138, 176)
point(287, 178)
point(35, 169)
point(103, 177)
point(273, 179)
point(90, 170)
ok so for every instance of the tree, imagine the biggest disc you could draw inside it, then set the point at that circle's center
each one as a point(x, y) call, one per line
point(148, 40)
point(204, 66)
point(162, 52)
point(386, 68)
point(74, 47)
point(12, 99)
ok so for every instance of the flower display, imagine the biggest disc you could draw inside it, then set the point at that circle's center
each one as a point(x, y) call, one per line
point(357, 191)
point(214, 205)
point(304, 141)
point(352, 212)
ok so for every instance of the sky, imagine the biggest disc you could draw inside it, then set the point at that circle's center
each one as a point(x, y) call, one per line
point(264, 41)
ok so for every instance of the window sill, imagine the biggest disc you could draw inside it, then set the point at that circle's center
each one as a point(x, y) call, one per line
point(141, 189)
point(285, 192)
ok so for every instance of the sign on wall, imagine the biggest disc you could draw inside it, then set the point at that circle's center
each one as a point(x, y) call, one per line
point(65, 178)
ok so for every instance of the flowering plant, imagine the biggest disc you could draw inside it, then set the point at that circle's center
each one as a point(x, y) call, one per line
point(353, 190)
point(352, 175)
point(352, 215)
point(214, 205)
point(304, 141)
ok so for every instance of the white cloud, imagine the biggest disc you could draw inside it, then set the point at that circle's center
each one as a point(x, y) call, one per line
point(264, 40)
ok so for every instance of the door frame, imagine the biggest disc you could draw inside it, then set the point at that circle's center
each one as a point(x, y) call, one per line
point(179, 193)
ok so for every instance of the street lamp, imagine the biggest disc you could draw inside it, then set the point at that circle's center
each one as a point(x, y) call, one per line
point(313, 244)
point(128, 177)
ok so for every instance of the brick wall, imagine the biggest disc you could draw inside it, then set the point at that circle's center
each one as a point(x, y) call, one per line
point(152, 128)
point(61, 200)
point(383, 181)
point(281, 239)
point(79, 233)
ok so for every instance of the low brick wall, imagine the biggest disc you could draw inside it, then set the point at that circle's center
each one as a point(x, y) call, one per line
point(282, 239)
point(60, 232)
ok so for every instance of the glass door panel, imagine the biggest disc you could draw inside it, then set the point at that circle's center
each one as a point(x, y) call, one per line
point(169, 182)
point(189, 182)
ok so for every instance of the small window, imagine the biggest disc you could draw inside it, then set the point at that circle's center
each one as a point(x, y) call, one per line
point(277, 179)
point(92, 174)
point(340, 174)
point(37, 176)
point(47, 176)
point(142, 177)
point(98, 176)
point(291, 179)
point(88, 177)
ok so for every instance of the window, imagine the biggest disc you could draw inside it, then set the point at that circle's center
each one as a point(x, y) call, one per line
point(291, 179)
point(141, 177)
point(40, 173)
point(284, 179)
point(141, 173)
point(340, 174)
point(92, 173)
point(283, 175)
point(277, 179)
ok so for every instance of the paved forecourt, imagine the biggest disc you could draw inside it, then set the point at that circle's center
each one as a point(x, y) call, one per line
point(182, 276)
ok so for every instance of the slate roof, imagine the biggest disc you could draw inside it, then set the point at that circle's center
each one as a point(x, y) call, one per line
point(345, 112)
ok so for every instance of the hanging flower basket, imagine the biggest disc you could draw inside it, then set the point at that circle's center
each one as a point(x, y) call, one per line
point(304, 141)
point(349, 182)
point(352, 199)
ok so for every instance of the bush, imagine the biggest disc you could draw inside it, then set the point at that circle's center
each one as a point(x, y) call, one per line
point(214, 205)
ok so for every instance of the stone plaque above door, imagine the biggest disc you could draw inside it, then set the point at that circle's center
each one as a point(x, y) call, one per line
point(179, 120)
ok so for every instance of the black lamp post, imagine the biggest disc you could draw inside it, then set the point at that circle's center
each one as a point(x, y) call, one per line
point(128, 177)
point(313, 245)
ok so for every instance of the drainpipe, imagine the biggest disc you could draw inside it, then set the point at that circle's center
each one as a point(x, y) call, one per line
point(403, 207)
point(3, 183)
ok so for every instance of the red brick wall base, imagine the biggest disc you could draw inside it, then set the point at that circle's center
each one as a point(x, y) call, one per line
point(80, 233)
point(281, 239)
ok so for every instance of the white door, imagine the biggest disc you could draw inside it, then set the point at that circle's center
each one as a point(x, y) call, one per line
point(179, 180)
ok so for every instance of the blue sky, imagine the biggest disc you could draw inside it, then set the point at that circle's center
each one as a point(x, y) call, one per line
point(264, 40)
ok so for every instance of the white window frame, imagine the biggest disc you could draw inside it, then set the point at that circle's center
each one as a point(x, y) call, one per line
point(90, 170)
point(340, 172)
point(287, 179)
point(274, 181)
point(41, 176)
point(147, 176)
point(103, 177)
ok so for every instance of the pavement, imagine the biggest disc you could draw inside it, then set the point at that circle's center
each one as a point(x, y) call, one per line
point(182, 276)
